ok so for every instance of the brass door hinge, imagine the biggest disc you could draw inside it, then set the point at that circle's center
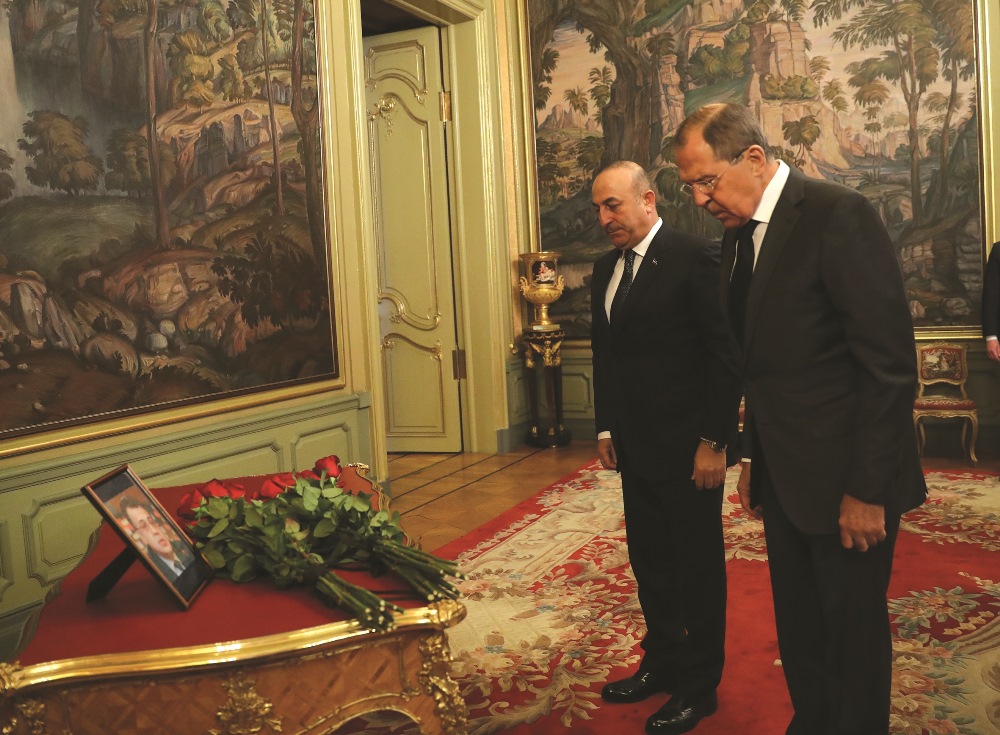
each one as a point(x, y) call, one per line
point(458, 364)
point(445, 99)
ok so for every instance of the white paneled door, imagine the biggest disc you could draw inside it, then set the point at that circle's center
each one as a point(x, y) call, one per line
point(407, 107)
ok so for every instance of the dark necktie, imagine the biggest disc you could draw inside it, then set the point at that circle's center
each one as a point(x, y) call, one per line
point(623, 285)
point(739, 284)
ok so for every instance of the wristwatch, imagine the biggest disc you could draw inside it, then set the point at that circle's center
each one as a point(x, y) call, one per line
point(714, 446)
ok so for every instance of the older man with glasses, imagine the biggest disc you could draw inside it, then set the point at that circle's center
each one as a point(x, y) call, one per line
point(819, 317)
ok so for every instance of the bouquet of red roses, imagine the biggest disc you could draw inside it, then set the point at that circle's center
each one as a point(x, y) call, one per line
point(297, 529)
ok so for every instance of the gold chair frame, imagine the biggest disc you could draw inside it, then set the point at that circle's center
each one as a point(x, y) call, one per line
point(945, 412)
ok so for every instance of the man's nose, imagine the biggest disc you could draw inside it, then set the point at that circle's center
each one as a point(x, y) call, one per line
point(700, 197)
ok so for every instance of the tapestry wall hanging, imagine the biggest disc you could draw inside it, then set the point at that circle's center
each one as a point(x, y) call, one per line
point(880, 96)
point(162, 232)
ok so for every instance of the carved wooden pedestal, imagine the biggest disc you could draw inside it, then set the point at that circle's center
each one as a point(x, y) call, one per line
point(542, 347)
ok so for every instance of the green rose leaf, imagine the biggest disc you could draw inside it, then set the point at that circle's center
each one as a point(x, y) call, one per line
point(310, 498)
point(324, 528)
point(218, 508)
point(253, 517)
point(221, 525)
point(215, 558)
point(243, 569)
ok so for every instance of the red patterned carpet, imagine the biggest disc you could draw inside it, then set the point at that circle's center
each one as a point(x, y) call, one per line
point(553, 616)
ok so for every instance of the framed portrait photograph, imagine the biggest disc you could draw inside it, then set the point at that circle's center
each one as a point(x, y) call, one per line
point(150, 534)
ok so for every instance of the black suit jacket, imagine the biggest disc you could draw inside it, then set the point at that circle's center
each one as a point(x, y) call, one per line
point(829, 360)
point(188, 581)
point(991, 293)
point(664, 373)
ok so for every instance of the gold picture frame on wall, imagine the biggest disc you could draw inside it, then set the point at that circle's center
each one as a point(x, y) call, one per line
point(139, 289)
point(821, 84)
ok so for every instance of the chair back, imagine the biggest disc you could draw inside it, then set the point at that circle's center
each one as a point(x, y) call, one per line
point(941, 363)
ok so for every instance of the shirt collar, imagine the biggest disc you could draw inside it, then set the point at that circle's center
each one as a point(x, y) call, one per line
point(643, 245)
point(771, 193)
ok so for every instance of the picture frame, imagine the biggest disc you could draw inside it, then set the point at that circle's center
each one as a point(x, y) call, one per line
point(150, 534)
point(162, 284)
point(826, 105)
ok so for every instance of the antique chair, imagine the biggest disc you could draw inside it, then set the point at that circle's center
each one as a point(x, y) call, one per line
point(943, 366)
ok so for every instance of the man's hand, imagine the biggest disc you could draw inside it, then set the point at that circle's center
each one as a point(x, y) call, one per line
point(709, 467)
point(862, 525)
point(606, 453)
point(743, 487)
point(993, 349)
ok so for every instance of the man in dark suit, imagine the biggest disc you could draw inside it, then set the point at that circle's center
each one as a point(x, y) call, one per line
point(991, 304)
point(667, 397)
point(819, 315)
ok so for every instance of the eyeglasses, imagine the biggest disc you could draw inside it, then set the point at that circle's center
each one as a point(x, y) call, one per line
point(707, 186)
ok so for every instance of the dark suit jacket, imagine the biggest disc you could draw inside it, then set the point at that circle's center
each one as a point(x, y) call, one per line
point(187, 581)
point(829, 361)
point(991, 293)
point(664, 374)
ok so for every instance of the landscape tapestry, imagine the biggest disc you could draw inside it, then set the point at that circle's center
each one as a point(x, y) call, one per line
point(162, 232)
point(875, 94)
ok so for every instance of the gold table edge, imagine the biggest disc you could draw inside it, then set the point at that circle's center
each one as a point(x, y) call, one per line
point(18, 680)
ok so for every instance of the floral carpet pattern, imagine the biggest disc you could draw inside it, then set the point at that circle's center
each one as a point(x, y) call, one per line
point(552, 611)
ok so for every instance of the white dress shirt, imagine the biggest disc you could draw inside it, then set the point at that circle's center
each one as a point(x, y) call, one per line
point(616, 277)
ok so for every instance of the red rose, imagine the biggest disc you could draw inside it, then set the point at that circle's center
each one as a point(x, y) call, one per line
point(222, 489)
point(275, 486)
point(214, 489)
point(331, 465)
point(190, 502)
point(308, 475)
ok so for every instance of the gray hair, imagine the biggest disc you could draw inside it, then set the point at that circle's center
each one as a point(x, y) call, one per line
point(727, 128)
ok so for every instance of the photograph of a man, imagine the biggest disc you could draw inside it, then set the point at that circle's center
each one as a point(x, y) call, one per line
point(168, 555)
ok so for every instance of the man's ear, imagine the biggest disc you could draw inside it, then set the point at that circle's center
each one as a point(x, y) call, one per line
point(757, 156)
point(649, 199)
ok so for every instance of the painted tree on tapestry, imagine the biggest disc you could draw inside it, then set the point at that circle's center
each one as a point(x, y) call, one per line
point(162, 232)
point(875, 94)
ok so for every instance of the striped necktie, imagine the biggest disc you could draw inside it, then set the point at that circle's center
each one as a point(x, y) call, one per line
point(623, 285)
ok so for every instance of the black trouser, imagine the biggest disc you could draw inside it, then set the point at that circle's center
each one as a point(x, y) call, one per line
point(832, 620)
point(676, 550)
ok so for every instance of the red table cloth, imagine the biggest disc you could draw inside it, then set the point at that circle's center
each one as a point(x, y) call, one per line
point(140, 614)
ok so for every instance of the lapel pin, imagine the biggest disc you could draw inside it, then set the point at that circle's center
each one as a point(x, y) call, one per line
point(655, 262)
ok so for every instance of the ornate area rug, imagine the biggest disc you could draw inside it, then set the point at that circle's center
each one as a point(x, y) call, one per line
point(553, 616)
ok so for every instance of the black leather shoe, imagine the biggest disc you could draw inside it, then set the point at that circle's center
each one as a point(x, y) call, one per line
point(636, 688)
point(681, 713)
